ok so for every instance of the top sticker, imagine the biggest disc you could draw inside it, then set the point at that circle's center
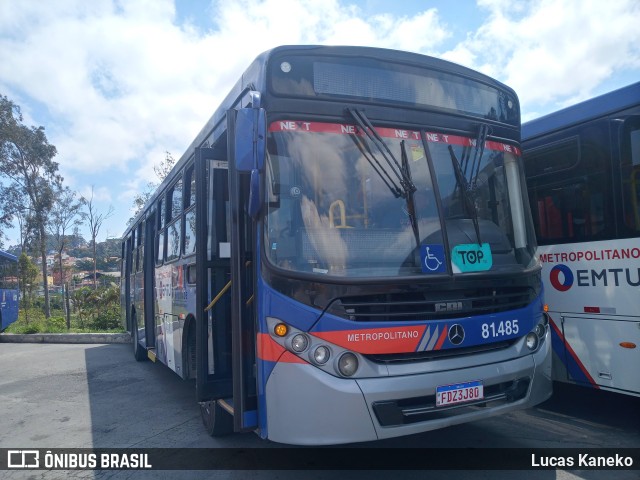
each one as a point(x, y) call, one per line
point(471, 257)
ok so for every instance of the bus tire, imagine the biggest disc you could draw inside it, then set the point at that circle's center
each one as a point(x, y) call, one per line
point(217, 421)
point(189, 360)
point(139, 353)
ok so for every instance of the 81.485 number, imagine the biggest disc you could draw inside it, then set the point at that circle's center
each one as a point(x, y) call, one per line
point(500, 329)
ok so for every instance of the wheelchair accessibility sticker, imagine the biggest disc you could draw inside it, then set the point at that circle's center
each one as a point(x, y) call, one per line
point(432, 257)
point(471, 257)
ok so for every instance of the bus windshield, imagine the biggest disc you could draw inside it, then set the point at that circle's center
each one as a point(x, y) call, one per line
point(340, 203)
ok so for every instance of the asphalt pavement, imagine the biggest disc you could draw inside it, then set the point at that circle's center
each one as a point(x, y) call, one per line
point(57, 395)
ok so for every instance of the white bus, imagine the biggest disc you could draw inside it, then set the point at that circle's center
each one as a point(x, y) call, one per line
point(583, 173)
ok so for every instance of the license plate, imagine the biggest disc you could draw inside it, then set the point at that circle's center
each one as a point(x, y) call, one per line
point(459, 393)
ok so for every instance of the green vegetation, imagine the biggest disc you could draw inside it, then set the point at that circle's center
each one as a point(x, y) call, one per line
point(93, 311)
point(27, 273)
point(49, 214)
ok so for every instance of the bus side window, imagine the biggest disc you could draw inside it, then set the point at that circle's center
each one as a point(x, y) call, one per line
point(174, 228)
point(571, 212)
point(630, 172)
point(190, 186)
point(173, 239)
point(190, 232)
point(547, 217)
point(189, 237)
point(175, 208)
point(129, 254)
point(191, 274)
point(572, 203)
point(132, 267)
point(160, 235)
point(140, 247)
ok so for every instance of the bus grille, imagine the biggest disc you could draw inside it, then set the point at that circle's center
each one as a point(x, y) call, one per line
point(429, 355)
point(438, 305)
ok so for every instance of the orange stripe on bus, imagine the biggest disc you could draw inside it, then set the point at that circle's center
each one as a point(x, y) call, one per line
point(288, 357)
point(268, 349)
point(271, 351)
point(442, 338)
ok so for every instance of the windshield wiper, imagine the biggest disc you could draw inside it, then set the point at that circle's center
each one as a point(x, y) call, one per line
point(461, 181)
point(403, 172)
point(379, 169)
point(481, 139)
point(370, 133)
point(411, 205)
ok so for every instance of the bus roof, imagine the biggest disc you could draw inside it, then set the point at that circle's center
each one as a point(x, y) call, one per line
point(596, 107)
point(8, 256)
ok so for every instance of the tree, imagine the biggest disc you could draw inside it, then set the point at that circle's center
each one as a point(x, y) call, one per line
point(9, 117)
point(27, 274)
point(14, 203)
point(66, 214)
point(165, 167)
point(95, 219)
point(161, 171)
point(107, 315)
point(11, 204)
point(26, 160)
point(83, 302)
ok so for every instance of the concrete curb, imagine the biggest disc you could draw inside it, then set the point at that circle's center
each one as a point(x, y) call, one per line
point(65, 338)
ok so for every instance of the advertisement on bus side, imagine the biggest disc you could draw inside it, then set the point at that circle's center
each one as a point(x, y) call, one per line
point(593, 277)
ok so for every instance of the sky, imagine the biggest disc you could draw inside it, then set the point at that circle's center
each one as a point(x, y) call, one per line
point(117, 83)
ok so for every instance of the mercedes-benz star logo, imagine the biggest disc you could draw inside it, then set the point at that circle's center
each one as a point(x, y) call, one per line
point(456, 334)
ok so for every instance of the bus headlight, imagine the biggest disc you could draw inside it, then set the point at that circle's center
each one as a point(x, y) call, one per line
point(531, 341)
point(299, 343)
point(348, 364)
point(540, 330)
point(321, 355)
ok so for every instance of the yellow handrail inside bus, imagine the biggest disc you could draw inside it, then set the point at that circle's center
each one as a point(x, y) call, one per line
point(218, 296)
point(224, 290)
point(343, 215)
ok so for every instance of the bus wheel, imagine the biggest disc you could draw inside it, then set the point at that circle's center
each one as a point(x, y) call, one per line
point(139, 352)
point(217, 421)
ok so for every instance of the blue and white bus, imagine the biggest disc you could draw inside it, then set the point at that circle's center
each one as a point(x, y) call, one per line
point(9, 292)
point(583, 171)
point(345, 252)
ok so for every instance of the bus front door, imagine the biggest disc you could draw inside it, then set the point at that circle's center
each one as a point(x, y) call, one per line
point(214, 388)
point(243, 266)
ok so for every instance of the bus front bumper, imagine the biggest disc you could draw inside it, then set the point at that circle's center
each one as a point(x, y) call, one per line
point(306, 406)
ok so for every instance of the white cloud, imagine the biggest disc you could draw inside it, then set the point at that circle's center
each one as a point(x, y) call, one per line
point(121, 82)
point(121, 79)
point(554, 52)
point(95, 193)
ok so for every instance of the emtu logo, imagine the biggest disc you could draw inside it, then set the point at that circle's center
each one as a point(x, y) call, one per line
point(567, 278)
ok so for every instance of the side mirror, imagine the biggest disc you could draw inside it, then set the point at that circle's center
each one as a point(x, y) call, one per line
point(250, 139)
